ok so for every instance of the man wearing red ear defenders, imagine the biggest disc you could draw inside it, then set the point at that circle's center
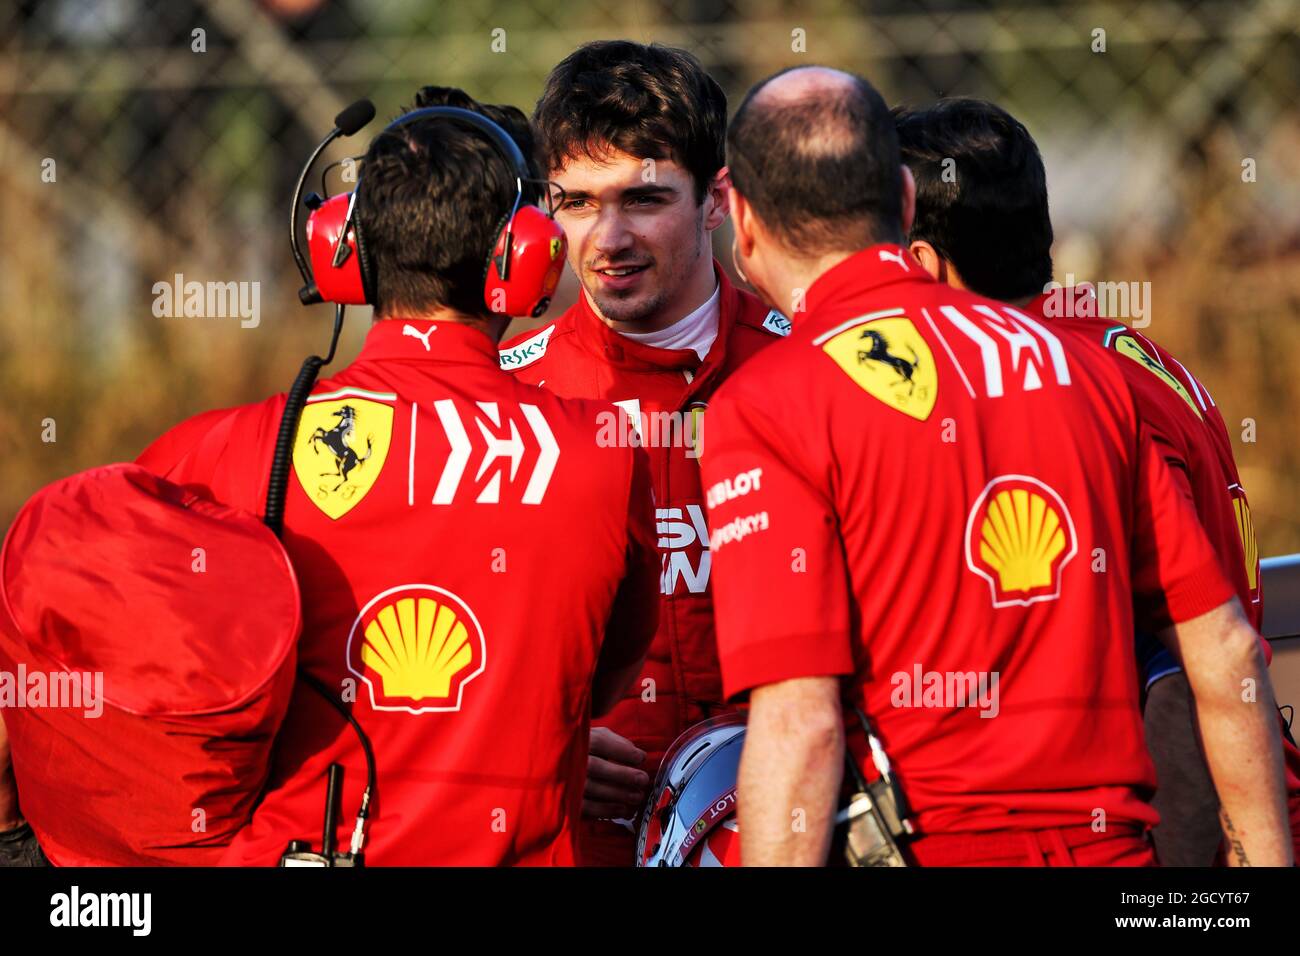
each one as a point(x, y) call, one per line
point(477, 574)
point(634, 135)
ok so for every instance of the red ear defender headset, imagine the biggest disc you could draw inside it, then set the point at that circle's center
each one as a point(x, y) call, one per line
point(520, 272)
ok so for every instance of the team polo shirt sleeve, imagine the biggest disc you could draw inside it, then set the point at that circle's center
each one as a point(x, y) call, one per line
point(1176, 574)
point(780, 583)
point(635, 614)
point(167, 453)
point(1155, 661)
point(205, 454)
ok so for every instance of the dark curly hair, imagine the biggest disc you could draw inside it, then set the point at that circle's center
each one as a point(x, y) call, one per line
point(651, 101)
point(431, 200)
point(509, 118)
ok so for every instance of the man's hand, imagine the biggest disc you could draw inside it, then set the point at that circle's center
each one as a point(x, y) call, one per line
point(616, 788)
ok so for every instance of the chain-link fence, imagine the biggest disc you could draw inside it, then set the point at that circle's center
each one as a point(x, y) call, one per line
point(145, 144)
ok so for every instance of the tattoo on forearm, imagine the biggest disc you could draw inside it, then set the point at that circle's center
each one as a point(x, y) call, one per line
point(1238, 850)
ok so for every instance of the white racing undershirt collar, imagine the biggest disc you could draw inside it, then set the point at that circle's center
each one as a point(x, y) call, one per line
point(696, 331)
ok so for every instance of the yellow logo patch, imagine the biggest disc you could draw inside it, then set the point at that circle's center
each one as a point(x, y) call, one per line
point(1019, 537)
point(416, 647)
point(1127, 345)
point(555, 248)
point(695, 430)
point(890, 361)
point(341, 447)
point(1246, 530)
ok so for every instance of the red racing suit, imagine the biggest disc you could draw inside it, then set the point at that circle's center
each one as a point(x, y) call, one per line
point(466, 553)
point(665, 392)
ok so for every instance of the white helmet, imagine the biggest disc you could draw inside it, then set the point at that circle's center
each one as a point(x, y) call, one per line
point(689, 819)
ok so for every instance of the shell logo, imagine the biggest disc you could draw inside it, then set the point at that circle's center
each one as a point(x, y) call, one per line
point(1019, 538)
point(415, 647)
point(1246, 531)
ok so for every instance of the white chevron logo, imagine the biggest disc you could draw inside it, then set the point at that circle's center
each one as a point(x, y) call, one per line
point(511, 448)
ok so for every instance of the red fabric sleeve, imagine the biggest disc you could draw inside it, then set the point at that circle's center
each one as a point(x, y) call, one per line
point(1173, 455)
point(1176, 574)
point(780, 583)
point(224, 455)
point(635, 614)
point(171, 448)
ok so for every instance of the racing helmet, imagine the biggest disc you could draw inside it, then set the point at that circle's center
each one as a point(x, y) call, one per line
point(690, 817)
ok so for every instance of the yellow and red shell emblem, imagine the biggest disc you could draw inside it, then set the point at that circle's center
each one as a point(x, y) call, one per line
point(416, 647)
point(1019, 537)
point(1246, 531)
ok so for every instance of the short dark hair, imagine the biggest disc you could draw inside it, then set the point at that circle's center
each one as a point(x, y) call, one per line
point(986, 211)
point(431, 198)
point(648, 101)
point(823, 172)
point(509, 118)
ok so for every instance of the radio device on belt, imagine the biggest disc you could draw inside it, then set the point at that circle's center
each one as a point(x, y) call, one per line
point(878, 815)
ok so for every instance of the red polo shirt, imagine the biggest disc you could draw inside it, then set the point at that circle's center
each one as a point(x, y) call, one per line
point(1190, 434)
point(463, 546)
point(1189, 431)
point(952, 506)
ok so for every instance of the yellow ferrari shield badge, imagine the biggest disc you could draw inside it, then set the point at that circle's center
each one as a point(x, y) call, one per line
point(1127, 345)
point(889, 360)
point(342, 443)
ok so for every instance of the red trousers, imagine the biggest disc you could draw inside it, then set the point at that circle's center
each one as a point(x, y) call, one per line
point(1057, 846)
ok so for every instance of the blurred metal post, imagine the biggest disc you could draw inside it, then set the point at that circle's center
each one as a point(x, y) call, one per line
point(1281, 587)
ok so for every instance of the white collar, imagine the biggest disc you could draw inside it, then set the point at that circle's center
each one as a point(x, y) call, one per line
point(696, 331)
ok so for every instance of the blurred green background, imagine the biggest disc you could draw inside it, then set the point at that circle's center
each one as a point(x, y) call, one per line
point(168, 158)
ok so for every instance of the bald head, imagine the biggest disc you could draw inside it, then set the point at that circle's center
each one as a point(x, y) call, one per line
point(801, 84)
point(815, 152)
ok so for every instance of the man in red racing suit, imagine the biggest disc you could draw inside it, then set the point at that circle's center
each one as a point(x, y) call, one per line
point(656, 329)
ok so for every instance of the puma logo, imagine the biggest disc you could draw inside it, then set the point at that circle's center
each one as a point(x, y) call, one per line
point(894, 257)
point(423, 337)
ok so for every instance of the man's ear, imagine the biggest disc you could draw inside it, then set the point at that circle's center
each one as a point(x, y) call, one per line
point(742, 220)
point(717, 196)
point(930, 260)
point(909, 199)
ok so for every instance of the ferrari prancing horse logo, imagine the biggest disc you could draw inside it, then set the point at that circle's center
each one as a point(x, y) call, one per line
point(891, 361)
point(341, 447)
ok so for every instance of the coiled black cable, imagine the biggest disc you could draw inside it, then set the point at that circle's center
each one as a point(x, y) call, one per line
point(282, 459)
point(276, 492)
